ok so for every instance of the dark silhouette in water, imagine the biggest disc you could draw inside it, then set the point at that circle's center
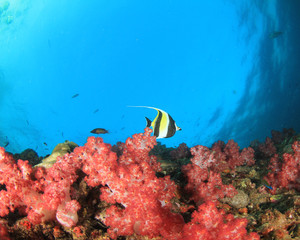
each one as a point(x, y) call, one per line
point(99, 131)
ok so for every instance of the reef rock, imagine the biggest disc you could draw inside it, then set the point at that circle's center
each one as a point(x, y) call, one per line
point(239, 200)
point(59, 150)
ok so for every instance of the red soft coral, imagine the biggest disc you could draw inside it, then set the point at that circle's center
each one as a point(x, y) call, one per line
point(99, 162)
point(143, 200)
point(285, 173)
point(267, 148)
point(203, 183)
point(222, 157)
point(234, 158)
point(203, 157)
point(209, 223)
point(39, 197)
point(181, 152)
point(3, 233)
point(206, 186)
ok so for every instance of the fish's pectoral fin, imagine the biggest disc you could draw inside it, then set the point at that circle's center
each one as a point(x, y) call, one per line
point(178, 128)
point(148, 122)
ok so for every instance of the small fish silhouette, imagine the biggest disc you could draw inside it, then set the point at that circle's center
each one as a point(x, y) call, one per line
point(99, 131)
point(75, 95)
point(275, 34)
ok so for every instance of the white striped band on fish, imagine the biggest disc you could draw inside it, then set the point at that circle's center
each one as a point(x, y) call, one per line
point(163, 125)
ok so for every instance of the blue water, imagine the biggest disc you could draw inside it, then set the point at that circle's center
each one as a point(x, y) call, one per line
point(211, 65)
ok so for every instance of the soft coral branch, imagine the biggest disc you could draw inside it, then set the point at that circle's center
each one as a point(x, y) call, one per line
point(39, 196)
point(285, 173)
point(209, 223)
point(131, 182)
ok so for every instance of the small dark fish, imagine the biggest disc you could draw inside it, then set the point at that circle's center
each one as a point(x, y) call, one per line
point(6, 144)
point(45, 144)
point(99, 131)
point(62, 134)
point(76, 95)
point(275, 34)
point(97, 110)
point(27, 122)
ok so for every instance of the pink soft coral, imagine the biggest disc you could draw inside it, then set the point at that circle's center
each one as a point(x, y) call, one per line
point(285, 173)
point(143, 201)
point(267, 149)
point(140, 202)
point(209, 223)
point(203, 174)
point(182, 151)
point(42, 194)
point(3, 233)
point(222, 156)
point(205, 184)
point(234, 157)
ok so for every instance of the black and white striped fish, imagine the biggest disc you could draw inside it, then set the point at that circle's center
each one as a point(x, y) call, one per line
point(163, 125)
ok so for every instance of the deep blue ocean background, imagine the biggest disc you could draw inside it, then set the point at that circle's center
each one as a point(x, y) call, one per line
point(212, 65)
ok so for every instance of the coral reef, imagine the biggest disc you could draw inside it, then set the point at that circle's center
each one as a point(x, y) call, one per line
point(140, 190)
point(60, 150)
point(41, 194)
point(30, 155)
point(285, 173)
point(209, 223)
point(3, 233)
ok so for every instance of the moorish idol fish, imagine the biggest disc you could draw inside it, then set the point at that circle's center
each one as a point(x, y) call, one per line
point(163, 125)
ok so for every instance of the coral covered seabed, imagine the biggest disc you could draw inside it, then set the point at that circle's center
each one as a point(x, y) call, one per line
point(142, 190)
